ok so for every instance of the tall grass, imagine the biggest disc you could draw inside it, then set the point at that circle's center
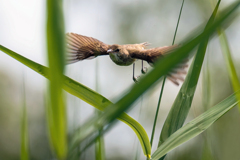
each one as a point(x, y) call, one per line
point(99, 143)
point(56, 110)
point(183, 101)
point(173, 133)
point(164, 79)
point(24, 128)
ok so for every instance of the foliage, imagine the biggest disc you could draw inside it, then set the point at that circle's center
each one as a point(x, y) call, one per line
point(173, 134)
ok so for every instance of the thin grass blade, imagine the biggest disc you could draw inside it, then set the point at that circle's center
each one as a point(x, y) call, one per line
point(163, 83)
point(196, 126)
point(24, 128)
point(56, 111)
point(183, 101)
point(229, 62)
point(206, 86)
point(99, 143)
point(99, 146)
point(206, 94)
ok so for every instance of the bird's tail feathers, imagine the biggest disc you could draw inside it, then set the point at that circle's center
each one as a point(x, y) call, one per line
point(178, 73)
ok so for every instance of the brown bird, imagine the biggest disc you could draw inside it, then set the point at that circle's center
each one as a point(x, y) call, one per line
point(82, 47)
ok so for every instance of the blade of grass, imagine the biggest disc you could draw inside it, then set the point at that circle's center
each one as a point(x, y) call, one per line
point(183, 101)
point(24, 128)
point(196, 126)
point(206, 94)
point(99, 143)
point(137, 155)
point(229, 62)
point(99, 146)
point(206, 101)
point(84, 93)
point(161, 68)
point(164, 79)
point(56, 111)
point(206, 86)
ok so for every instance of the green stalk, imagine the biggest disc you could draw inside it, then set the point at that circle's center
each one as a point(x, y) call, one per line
point(99, 143)
point(163, 83)
point(24, 128)
point(229, 62)
point(206, 94)
point(56, 112)
point(137, 155)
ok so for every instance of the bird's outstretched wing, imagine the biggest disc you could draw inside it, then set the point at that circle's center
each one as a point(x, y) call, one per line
point(81, 47)
point(151, 55)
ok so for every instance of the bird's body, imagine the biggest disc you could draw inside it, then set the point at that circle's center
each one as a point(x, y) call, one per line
point(82, 47)
point(123, 58)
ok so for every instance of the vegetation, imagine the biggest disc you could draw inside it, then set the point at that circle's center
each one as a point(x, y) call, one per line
point(174, 132)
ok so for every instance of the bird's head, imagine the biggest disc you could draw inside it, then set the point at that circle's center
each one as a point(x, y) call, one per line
point(114, 48)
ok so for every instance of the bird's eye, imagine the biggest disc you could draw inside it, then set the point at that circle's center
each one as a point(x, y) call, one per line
point(117, 50)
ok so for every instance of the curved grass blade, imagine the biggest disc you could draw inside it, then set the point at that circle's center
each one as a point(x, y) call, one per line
point(56, 110)
point(229, 62)
point(183, 101)
point(196, 126)
point(86, 94)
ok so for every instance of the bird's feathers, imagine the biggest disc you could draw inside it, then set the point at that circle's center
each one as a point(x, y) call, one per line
point(82, 47)
point(151, 55)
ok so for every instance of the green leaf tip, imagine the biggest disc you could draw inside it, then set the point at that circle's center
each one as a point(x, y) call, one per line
point(148, 156)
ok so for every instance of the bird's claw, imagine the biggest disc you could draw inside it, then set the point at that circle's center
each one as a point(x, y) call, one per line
point(135, 79)
point(144, 70)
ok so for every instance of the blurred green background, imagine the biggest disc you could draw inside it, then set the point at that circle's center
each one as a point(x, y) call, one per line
point(22, 29)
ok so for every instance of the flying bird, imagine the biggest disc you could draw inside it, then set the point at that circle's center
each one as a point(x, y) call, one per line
point(82, 47)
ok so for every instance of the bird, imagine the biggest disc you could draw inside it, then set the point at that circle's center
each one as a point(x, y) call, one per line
point(80, 47)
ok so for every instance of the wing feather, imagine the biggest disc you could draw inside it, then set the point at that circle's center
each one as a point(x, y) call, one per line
point(82, 47)
point(151, 55)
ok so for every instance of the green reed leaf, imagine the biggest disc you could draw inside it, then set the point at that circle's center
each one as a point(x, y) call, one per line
point(183, 101)
point(24, 128)
point(229, 62)
point(56, 110)
point(196, 126)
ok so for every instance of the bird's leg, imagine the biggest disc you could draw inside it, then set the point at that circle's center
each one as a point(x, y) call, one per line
point(134, 78)
point(144, 69)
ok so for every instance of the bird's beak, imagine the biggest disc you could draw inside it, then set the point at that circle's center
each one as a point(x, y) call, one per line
point(109, 51)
